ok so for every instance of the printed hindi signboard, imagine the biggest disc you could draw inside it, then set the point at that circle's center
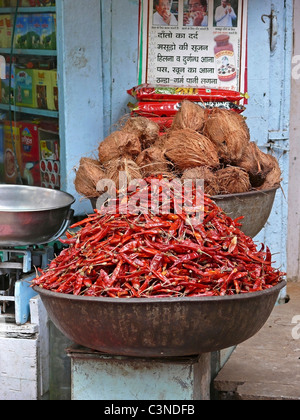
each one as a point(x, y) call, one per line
point(194, 43)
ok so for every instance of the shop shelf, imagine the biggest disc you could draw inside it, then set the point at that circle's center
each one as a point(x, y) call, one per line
point(48, 53)
point(9, 10)
point(32, 111)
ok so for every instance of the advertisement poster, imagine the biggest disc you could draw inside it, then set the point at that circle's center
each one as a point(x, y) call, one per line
point(194, 43)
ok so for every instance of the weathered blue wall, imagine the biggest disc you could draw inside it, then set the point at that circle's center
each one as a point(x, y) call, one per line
point(80, 86)
point(120, 57)
point(268, 112)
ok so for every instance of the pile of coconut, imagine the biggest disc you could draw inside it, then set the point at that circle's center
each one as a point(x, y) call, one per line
point(213, 145)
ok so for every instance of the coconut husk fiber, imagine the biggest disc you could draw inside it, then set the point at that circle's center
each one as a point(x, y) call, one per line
point(257, 163)
point(190, 116)
point(119, 144)
point(274, 177)
point(189, 149)
point(146, 130)
point(129, 169)
point(211, 186)
point(87, 177)
point(160, 142)
point(233, 180)
point(229, 132)
point(152, 161)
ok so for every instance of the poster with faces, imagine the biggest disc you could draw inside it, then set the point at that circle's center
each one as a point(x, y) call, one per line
point(194, 43)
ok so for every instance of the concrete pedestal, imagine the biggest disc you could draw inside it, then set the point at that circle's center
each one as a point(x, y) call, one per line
point(99, 376)
point(24, 356)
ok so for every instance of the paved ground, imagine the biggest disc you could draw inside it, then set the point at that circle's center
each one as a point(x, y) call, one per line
point(267, 367)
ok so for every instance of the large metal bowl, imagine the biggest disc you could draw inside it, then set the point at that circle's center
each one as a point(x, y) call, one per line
point(254, 206)
point(162, 327)
point(32, 215)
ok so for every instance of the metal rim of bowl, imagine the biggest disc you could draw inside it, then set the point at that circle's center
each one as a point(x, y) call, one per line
point(243, 296)
point(228, 196)
point(246, 194)
point(29, 187)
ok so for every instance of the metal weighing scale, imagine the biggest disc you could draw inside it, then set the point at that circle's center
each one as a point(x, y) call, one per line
point(17, 270)
point(30, 219)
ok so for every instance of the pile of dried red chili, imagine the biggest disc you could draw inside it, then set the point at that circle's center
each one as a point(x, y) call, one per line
point(140, 254)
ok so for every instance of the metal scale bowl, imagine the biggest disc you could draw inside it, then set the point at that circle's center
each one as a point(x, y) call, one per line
point(171, 326)
point(29, 216)
point(32, 215)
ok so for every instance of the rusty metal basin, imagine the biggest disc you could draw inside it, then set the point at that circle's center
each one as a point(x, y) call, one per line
point(255, 206)
point(163, 327)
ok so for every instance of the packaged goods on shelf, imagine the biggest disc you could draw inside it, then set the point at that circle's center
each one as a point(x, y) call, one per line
point(7, 92)
point(48, 31)
point(36, 3)
point(1, 153)
point(49, 154)
point(2, 31)
point(24, 95)
point(37, 31)
point(42, 87)
point(31, 87)
point(30, 153)
point(12, 151)
point(6, 27)
point(22, 31)
point(12, 3)
point(37, 152)
point(53, 99)
point(8, 31)
point(34, 32)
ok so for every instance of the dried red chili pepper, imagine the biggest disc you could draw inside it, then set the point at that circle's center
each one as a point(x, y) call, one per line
point(145, 255)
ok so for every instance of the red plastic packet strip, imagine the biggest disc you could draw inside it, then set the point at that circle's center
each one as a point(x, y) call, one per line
point(156, 93)
point(163, 122)
point(170, 108)
point(155, 109)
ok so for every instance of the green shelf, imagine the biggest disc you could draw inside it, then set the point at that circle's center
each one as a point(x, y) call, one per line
point(32, 111)
point(9, 10)
point(16, 51)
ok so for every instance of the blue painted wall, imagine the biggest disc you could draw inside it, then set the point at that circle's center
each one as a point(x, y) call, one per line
point(268, 112)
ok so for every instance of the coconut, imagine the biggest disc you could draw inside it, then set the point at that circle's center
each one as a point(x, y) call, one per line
point(211, 186)
point(121, 172)
point(190, 116)
point(160, 142)
point(229, 132)
point(146, 130)
point(274, 177)
point(152, 161)
point(189, 149)
point(233, 180)
point(87, 177)
point(257, 163)
point(119, 144)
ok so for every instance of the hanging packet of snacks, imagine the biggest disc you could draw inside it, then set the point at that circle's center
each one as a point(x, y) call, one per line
point(170, 108)
point(149, 92)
